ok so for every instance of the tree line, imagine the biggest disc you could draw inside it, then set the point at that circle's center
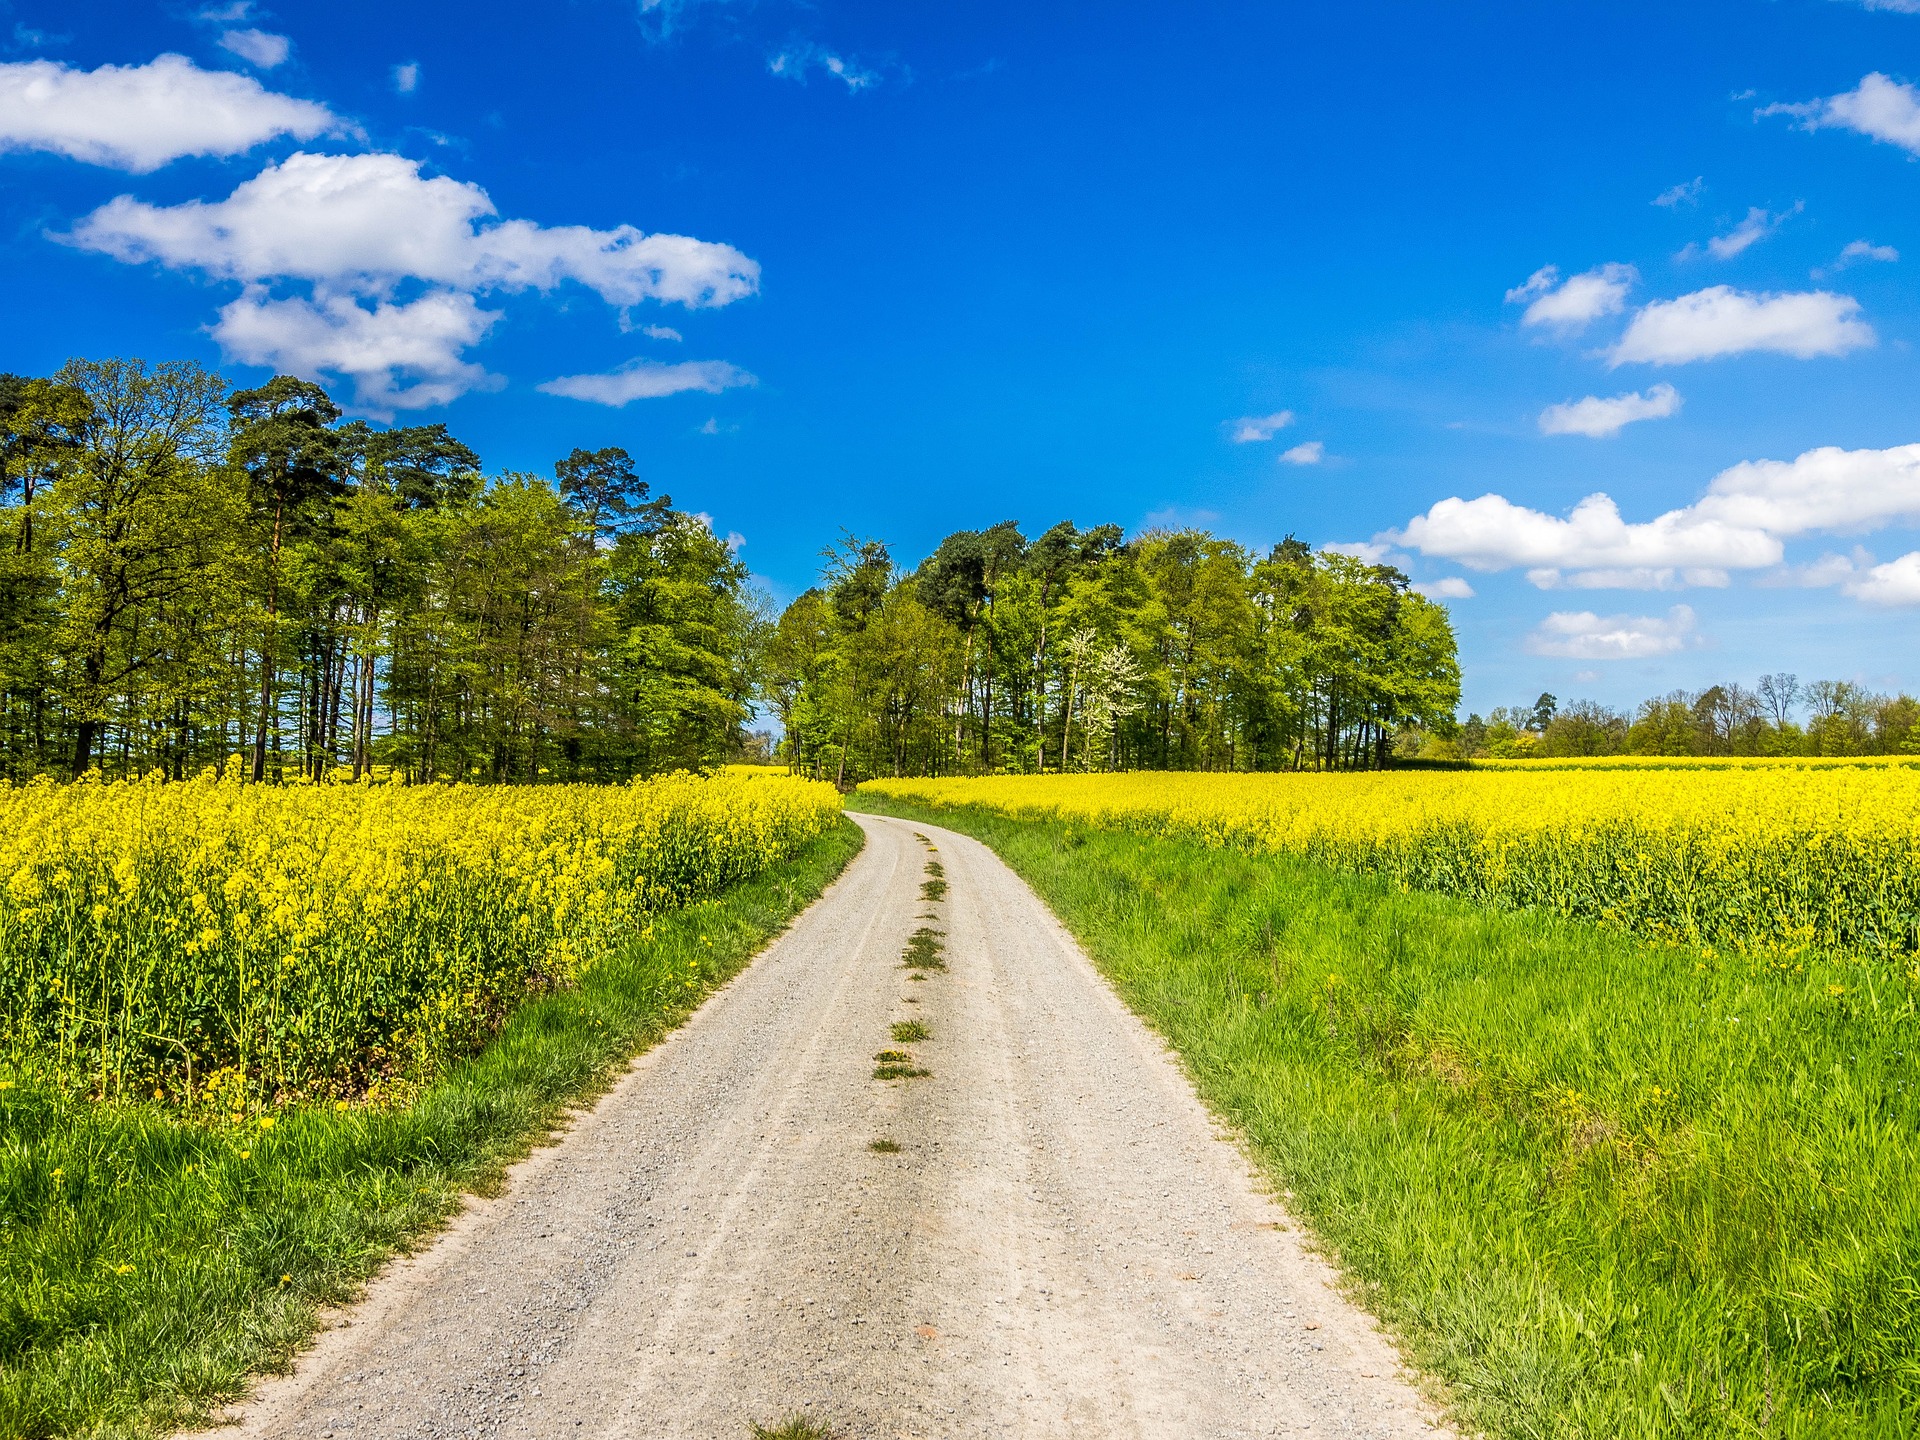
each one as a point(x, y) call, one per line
point(1083, 650)
point(190, 573)
point(1778, 716)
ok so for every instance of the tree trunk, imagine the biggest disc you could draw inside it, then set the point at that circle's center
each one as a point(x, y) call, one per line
point(269, 647)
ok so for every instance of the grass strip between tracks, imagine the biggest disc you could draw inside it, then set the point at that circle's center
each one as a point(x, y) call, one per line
point(147, 1265)
point(1598, 1188)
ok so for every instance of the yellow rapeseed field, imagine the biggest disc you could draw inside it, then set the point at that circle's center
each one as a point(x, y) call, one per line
point(222, 940)
point(1771, 860)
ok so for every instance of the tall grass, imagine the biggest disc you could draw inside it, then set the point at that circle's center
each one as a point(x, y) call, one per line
point(151, 1256)
point(1601, 1188)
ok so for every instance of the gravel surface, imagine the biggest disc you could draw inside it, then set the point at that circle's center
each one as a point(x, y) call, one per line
point(1062, 1246)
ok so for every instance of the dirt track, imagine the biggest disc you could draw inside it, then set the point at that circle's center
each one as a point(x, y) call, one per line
point(1062, 1246)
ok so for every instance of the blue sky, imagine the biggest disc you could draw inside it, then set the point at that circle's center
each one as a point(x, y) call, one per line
point(943, 266)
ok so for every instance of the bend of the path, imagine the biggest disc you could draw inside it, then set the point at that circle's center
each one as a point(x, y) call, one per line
point(1063, 1245)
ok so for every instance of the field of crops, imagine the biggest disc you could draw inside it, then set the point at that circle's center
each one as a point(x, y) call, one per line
point(228, 942)
point(1772, 860)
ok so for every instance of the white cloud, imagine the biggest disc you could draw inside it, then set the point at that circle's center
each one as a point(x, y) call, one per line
point(257, 47)
point(1723, 321)
point(355, 228)
point(661, 332)
point(1830, 489)
point(1687, 193)
point(364, 222)
point(1598, 416)
point(1492, 533)
point(649, 380)
point(1741, 523)
point(1878, 106)
point(1857, 251)
point(1898, 7)
point(1577, 301)
point(406, 78)
point(139, 117)
point(1372, 552)
point(796, 60)
point(1583, 635)
point(1312, 452)
point(1251, 429)
point(1632, 577)
point(1829, 570)
point(399, 357)
point(1452, 587)
point(1758, 225)
point(1895, 583)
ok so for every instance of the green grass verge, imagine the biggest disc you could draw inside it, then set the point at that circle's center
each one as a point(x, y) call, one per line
point(1599, 1188)
point(147, 1264)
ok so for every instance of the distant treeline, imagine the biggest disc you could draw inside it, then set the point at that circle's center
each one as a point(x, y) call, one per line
point(1779, 716)
point(1082, 650)
point(188, 573)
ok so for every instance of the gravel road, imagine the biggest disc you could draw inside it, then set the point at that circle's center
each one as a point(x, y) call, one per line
point(1063, 1245)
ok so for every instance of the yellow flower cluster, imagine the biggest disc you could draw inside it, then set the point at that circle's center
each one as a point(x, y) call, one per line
point(1770, 859)
point(319, 939)
point(1706, 762)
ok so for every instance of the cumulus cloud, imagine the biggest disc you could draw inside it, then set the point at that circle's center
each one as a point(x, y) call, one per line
point(1252, 429)
point(1879, 106)
point(139, 117)
point(649, 380)
point(661, 332)
point(1583, 635)
point(362, 223)
point(1312, 452)
point(257, 47)
point(1687, 193)
point(1452, 587)
point(1895, 583)
point(355, 229)
point(406, 78)
point(1723, 321)
point(797, 60)
point(1578, 300)
point(1601, 416)
point(1758, 225)
point(1741, 523)
point(399, 357)
point(1492, 533)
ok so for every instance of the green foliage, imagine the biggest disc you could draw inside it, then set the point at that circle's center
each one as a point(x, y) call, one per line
point(187, 575)
point(924, 949)
point(1080, 650)
point(148, 1263)
point(1841, 719)
point(799, 1427)
point(1598, 1187)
